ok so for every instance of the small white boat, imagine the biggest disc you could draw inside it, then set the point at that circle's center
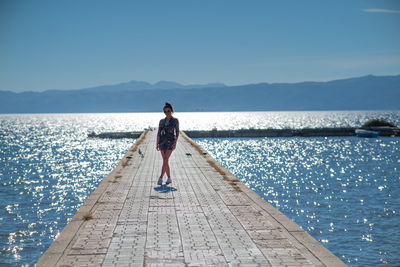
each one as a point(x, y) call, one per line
point(366, 133)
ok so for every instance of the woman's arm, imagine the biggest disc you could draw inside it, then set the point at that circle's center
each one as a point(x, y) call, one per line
point(158, 136)
point(157, 144)
point(176, 134)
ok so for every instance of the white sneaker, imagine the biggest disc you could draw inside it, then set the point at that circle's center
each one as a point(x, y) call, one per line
point(159, 181)
point(169, 180)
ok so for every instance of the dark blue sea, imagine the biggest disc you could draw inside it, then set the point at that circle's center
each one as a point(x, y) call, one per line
point(345, 191)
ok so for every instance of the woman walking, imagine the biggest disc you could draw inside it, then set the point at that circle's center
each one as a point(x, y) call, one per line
point(167, 136)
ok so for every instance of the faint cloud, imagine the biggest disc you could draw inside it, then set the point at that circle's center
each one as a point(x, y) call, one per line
point(381, 10)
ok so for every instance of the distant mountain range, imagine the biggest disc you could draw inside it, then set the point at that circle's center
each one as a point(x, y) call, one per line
point(362, 93)
point(138, 86)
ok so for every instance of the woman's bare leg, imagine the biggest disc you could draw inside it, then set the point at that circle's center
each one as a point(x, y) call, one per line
point(167, 155)
point(165, 162)
point(162, 168)
point(165, 167)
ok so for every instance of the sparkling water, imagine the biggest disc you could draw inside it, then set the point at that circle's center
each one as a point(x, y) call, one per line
point(48, 167)
point(344, 191)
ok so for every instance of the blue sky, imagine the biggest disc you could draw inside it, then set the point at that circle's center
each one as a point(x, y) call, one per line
point(78, 44)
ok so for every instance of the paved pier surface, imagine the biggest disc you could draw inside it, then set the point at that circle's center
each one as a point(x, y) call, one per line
point(206, 217)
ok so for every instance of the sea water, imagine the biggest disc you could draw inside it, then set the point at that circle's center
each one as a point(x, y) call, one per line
point(343, 191)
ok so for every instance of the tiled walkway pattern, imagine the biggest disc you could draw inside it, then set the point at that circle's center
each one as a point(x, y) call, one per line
point(201, 219)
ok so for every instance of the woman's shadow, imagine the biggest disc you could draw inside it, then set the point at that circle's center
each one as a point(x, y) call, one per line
point(165, 189)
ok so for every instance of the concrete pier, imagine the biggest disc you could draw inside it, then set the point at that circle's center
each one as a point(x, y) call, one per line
point(206, 217)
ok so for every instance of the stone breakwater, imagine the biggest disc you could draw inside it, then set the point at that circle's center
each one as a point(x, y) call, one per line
point(116, 135)
point(306, 132)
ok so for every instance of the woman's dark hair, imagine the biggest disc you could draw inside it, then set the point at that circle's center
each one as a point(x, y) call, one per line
point(168, 105)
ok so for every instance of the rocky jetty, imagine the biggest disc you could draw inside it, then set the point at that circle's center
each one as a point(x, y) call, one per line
point(306, 132)
point(115, 135)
